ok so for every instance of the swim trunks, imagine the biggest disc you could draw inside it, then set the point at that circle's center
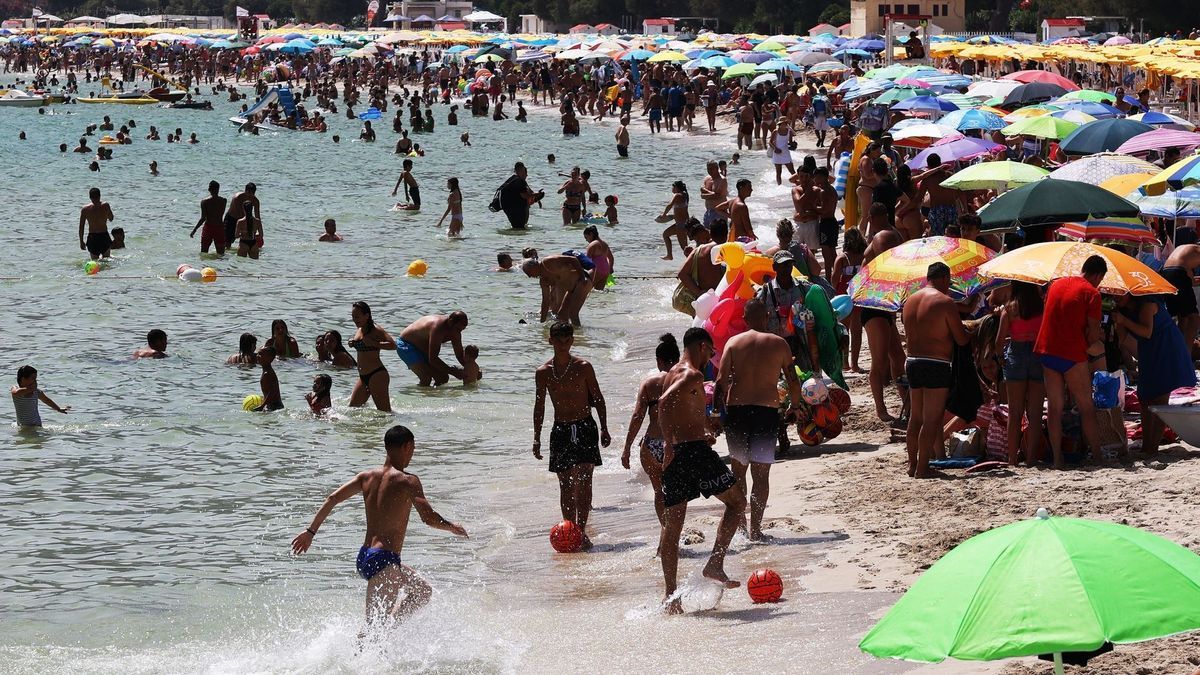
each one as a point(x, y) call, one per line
point(622, 150)
point(869, 313)
point(573, 443)
point(1056, 363)
point(807, 233)
point(829, 231)
point(656, 447)
point(1183, 302)
point(656, 114)
point(212, 233)
point(98, 243)
point(746, 128)
point(711, 216)
point(941, 216)
point(410, 354)
point(752, 433)
point(927, 373)
point(414, 193)
point(695, 469)
point(372, 561)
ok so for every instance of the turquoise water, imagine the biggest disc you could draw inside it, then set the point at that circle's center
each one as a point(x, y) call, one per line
point(148, 530)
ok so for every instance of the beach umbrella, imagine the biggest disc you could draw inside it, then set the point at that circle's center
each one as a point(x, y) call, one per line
point(1074, 116)
point(891, 277)
point(740, 70)
point(722, 62)
point(638, 55)
point(769, 46)
point(1109, 231)
point(992, 88)
point(1040, 127)
point(922, 134)
point(961, 100)
point(1043, 586)
point(965, 120)
point(1052, 201)
point(828, 67)
point(1097, 110)
point(1164, 121)
point(751, 57)
point(954, 150)
point(778, 65)
point(1100, 167)
point(1045, 262)
point(1175, 204)
point(668, 55)
point(887, 72)
point(851, 52)
point(488, 58)
point(1159, 140)
point(1125, 183)
point(808, 58)
point(1030, 111)
point(869, 45)
point(1181, 174)
point(924, 104)
point(765, 78)
point(1089, 95)
point(1034, 92)
point(456, 49)
point(999, 176)
point(1042, 76)
point(897, 94)
point(1102, 136)
point(104, 43)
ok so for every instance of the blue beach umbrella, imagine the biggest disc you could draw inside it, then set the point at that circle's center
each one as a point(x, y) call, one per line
point(1175, 204)
point(639, 55)
point(720, 61)
point(924, 104)
point(456, 49)
point(1098, 110)
point(865, 44)
point(777, 65)
point(852, 52)
point(965, 120)
point(330, 42)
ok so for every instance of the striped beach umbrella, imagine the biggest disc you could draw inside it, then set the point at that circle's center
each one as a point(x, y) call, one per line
point(1174, 204)
point(889, 279)
point(1179, 175)
point(1109, 231)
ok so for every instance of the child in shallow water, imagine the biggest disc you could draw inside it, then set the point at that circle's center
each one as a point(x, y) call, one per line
point(26, 396)
point(318, 398)
point(471, 371)
point(269, 382)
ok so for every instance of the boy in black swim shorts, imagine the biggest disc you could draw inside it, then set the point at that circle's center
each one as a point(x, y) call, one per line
point(691, 467)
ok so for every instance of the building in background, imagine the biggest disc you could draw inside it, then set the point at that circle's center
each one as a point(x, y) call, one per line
point(1053, 29)
point(867, 16)
point(663, 26)
point(607, 29)
point(401, 14)
point(581, 29)
point(536, 25)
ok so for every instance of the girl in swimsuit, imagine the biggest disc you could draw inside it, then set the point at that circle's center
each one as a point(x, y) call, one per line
point(246, 356)
point(453, 209)
point(281, 341)
point(844, 269)
point(908, 209)
point(652, 445)
point(330, 350)
point(867, 180)
point(572, 208)
point(368, 341)
point(678, 208)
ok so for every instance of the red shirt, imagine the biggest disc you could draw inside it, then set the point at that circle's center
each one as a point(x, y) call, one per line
point(1070, 302)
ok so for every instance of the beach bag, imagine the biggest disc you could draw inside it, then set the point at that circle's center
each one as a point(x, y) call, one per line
point(682, 298)
point(1107, 389)
point(494, 206)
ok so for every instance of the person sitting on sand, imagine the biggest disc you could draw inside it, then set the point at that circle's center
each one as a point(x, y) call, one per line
point(574, 442)
point(691, 467)
point(565, 285)
point(26, 396)
point(389, 494)
point(331, 234)
point(268, 382)
point(156, 346)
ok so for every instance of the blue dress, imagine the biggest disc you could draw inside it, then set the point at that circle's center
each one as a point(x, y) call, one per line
point(1164, 360)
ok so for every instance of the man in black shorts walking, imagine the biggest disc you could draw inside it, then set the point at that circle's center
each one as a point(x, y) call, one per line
point(574, 440)
point(691, 467)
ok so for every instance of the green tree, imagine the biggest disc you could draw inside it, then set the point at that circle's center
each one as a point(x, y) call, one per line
point(834, 15)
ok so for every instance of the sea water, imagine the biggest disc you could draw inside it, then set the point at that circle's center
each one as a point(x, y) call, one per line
point(149, 529)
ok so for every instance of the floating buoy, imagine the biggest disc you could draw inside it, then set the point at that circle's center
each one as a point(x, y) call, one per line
point(417, 268)
point(208, 275)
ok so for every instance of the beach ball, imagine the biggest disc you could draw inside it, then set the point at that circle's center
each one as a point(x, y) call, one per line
point(191, 274)
point(814, 391)
point(832, 430)
point(840, 398)
point(208, 275)
point(417, 268)
point(764, 586)
point(179, 270)
point(810, 434)
point(251, 402)
point(825, 414)
point(842, 305)
point(566, 537)
point(91, 267)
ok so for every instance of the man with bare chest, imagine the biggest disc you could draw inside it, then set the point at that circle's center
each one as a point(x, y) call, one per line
point(574, 442)
point(95, 216)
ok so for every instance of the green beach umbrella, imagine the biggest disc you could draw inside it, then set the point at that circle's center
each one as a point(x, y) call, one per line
point(1043, 586)
point(1043, 126)
point(897, 94)
point(740, 70)
point(998, 176)
point(891, 72)
point(769, 46)
point(1089, 95)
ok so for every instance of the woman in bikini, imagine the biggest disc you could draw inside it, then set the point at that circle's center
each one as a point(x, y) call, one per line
point(330, 350)
point(909, 220)
point(678, 208)
point(369, 340)
point(652, 445)
point(281, 341)
point(573, 191)
point(453, 209)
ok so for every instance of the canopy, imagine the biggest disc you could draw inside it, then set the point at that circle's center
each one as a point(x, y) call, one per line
point(1051, 201)
point(482, 16)
point(1102, 136)
point(125, 20)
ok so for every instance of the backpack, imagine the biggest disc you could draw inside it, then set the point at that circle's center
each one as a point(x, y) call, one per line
point(820, 106)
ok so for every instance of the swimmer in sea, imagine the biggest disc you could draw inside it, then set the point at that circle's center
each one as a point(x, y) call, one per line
point(82, 148)
point(156, 346)
point(412, 192)
point(238, 206)
point(389, 494)
point(330, 350)
point(574, 192)
point(118, 238)
point(245, 356)
point(248, 234)
point(212, 208)
point(281, 341)
point(504, 263)
point(154, 170)
point(367, 135)
point(369, 341)
point(466, 139)
point(268, 382)
point(26, 396)
point(421, 343)
point(96, 215)
point(330, 231)
point(318, 398)
point(622, 137)
point(565, 285)
point(453, 209)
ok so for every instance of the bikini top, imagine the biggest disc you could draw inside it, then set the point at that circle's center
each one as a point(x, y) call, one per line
point(359, 345)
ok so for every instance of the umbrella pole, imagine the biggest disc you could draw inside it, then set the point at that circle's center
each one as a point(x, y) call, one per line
point(1058, 664)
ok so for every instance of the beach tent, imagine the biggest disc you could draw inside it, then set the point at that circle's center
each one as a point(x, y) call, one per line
point(125, 20)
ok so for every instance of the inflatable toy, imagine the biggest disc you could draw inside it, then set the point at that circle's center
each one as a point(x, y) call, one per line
point(764, 586)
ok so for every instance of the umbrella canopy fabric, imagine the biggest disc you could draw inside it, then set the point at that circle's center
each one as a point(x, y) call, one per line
point(1041, 76)
point(1033, 92)
point(1052, 201)
point(1093, 108)
point(999, 176)
point(1100, 167)
point(992, 88)
point(1031, 111)
point(1183, 203)
point(1045, 262)
point(1046, 585)
point(1181, 174)
point(925, 104)
point(765, 78)
point(1110, 231)
point(964, 120)
point(897, 94)
point(1090, 95)
point(1160, 139)
point(1043, 126)
point(954, 150)
point(1075, 116)
point(1102, 136)
point(668, 55)
point(826, 67)
point(1163, 121)
point(922, 134)
point(740, 70)
point(1125, 183)
point(889, 279)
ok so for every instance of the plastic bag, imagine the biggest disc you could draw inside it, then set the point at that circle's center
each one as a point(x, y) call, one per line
point(1107, 389)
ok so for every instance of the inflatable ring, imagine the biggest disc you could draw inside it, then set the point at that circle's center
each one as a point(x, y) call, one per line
point(109, 140)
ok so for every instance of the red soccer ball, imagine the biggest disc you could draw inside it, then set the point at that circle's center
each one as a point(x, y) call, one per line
point(764, 586)
point(566, 537)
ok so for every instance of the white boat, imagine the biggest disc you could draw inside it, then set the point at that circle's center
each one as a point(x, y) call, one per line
point(15, 98)
point(1184, 420)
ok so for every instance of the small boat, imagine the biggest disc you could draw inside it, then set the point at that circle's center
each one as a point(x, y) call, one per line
point(15, 98)
point(129, 98)
point(166, 95)
point(192, 105)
